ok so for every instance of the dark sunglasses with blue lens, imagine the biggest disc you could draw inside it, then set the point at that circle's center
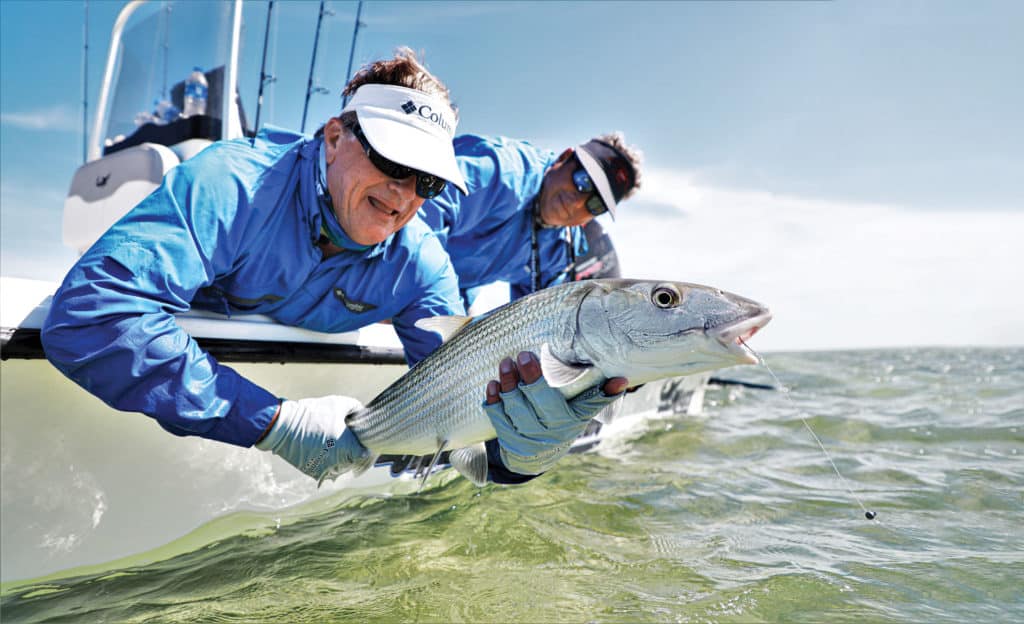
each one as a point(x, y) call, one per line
point(428, 185)
point(595, 205)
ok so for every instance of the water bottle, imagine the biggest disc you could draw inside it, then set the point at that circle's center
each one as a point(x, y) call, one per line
point(164, 112)
point(142, 118)
point(195, 93)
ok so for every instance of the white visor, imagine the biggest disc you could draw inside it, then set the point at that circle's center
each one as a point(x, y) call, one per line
point(410, 127)
point(598, 177)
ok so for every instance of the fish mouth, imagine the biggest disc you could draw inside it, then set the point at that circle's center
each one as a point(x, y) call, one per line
point(735, 335)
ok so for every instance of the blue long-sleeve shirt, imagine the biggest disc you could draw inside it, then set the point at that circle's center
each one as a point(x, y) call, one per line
point(488, 232)
point(233, 230)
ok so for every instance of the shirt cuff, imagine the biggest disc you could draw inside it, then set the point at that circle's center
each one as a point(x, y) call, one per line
point(497, 472)
point(249, 417)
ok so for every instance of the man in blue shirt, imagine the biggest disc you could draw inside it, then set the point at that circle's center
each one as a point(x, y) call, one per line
point(315, 233)
point(521, 220)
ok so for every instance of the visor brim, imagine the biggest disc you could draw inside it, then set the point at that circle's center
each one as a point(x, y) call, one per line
point(598, 176)
point(410, 146)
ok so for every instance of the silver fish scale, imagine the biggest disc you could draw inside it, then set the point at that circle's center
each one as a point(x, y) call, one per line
point(440, 398)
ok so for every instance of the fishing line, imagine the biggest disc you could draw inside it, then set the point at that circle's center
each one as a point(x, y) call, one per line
point(870, 515)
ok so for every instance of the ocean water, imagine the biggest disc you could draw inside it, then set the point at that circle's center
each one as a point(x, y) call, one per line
point(733, 516)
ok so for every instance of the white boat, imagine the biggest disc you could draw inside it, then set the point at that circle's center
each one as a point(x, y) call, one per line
point(83, 484)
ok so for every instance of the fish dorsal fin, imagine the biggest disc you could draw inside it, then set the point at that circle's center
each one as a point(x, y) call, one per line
point(447, 326)
point(471, 462)
point(558, 373)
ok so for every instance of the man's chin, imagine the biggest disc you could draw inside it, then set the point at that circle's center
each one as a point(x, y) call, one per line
point(378, 228)
point(370, 241)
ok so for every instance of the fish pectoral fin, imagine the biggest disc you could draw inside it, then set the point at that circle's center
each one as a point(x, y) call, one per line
point(446, 326)
point(471, 462)
point(433, 462)
point(558, 373)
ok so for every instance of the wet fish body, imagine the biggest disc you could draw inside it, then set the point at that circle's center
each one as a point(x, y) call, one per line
point(584, 332)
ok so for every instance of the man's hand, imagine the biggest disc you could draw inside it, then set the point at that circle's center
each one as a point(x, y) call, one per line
point(535, 424)
point(311, 435)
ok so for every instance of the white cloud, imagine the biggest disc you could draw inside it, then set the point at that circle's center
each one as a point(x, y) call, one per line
point(60, 117)
point(836, 275)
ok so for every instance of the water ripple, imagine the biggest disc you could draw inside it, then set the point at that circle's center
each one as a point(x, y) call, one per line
point(734, 517)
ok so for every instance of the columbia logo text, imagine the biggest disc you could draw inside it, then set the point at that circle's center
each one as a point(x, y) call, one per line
point(428, 113)
point(312, 467)
point(351, 304)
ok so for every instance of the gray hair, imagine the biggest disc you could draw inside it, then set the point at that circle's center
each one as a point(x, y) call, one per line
point(403, 70)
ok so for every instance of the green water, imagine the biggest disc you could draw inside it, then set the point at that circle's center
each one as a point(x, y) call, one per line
point(732, 517)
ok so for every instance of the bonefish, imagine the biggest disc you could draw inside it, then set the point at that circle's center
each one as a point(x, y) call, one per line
point(584, 332)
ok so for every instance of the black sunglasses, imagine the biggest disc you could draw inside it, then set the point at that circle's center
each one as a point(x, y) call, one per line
point(595, 205)
point(428, 185)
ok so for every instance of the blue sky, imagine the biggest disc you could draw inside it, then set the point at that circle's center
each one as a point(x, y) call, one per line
point(855, 165)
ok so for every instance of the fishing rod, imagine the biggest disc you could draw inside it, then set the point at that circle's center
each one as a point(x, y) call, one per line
point(312, 65)
point(352, 50)
point(743, 384)
point(264, 78)
point(85, 84)
point(166, 20)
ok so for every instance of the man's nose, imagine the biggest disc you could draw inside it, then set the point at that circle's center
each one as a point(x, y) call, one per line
point(578, 201)
point(406, 188)
point(578, 207)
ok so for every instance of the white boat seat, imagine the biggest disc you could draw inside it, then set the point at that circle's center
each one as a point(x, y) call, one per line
point(103, 190)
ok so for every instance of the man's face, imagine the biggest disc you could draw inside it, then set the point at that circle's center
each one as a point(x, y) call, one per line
point(369, 205)
point(559, 201)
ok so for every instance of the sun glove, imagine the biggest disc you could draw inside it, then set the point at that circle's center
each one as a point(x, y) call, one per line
point(311, 435)
point(536, 425)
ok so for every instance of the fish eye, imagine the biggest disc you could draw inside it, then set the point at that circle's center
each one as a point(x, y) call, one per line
point(665, 297)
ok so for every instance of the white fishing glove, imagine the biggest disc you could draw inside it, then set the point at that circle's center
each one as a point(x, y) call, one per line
point(311, 435)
